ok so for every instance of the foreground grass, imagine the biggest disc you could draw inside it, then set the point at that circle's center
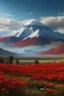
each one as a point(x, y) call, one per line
point(30, 91)
point(33, 88)
point(33, 91)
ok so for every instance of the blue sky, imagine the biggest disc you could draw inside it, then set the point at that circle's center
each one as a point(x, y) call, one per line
point(25, 9)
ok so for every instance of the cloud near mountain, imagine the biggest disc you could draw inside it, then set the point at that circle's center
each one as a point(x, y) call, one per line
point(8, 25)
point(55, 23)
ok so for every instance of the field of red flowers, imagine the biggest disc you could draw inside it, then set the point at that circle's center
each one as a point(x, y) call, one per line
point(50, 72)
point(43, 79)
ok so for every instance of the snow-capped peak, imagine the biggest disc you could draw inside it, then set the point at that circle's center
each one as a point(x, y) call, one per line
point(24, 29)
point(28, 22)
point(34, 34)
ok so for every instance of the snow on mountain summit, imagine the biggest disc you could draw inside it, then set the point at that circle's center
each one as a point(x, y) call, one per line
point(32, 22)
point(28, 22)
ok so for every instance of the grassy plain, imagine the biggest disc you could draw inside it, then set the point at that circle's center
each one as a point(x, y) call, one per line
point(40, 61)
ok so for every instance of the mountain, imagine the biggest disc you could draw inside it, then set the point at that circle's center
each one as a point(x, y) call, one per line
point(6, 53)
point(54, 51)
point(32, 29)
point(32, 33)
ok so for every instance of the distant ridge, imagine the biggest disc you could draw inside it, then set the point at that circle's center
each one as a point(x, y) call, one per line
point(6, 53)
point(54, 51)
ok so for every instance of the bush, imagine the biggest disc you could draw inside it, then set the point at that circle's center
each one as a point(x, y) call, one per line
point(11, 58)
point(36, 62)
point(1, 60)
point(17, 62)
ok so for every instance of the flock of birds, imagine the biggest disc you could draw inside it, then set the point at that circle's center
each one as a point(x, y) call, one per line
point(13, 14)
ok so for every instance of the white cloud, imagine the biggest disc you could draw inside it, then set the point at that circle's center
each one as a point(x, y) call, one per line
point(2, 15)
point(8, 25)
point(55, 23)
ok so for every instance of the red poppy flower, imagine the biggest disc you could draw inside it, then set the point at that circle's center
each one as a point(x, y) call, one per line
point(50, 91)
point(3, 89)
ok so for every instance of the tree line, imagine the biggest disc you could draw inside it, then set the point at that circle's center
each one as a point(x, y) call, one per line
point(11, 59)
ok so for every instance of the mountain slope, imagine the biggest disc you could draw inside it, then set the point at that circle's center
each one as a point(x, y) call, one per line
point(54, 51)
point(28, 42)
point(6, 53)
point(33, 35)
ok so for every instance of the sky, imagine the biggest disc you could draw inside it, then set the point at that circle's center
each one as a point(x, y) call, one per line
point(26, 9)
point(49, 12)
